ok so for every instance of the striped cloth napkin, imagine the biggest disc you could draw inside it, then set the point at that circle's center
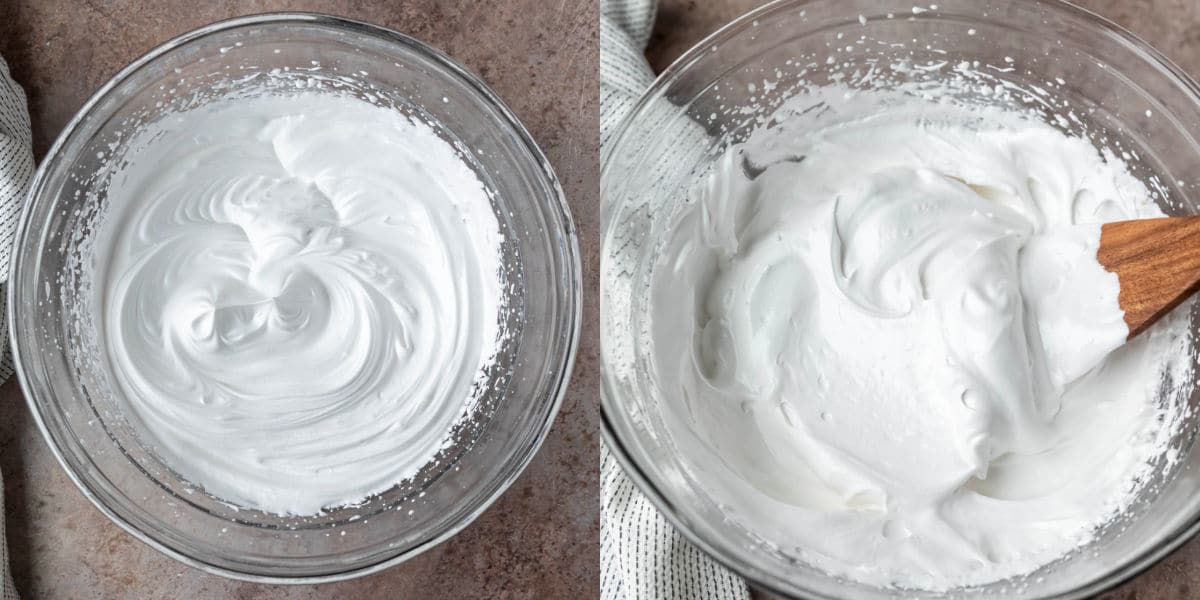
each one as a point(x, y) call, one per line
point(642, 557)
point(16, 171)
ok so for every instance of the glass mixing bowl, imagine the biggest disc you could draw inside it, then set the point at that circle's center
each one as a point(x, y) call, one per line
point(1118, 89)
point(74, 401)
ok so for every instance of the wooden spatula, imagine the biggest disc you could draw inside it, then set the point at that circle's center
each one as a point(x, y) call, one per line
point(1157, 262)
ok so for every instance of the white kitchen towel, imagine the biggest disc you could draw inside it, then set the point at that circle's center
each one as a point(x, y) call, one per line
point(642, 557)
point(16, 171)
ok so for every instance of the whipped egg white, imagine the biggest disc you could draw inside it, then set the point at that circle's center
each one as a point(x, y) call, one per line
point(296, 294)
point(883, 341)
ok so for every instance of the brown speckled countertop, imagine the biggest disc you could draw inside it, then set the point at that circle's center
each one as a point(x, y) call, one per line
point(1171, 26)
point(541, 539)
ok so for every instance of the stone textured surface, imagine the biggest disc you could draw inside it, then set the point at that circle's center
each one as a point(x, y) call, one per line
point(538, 541)
point(1171, 26)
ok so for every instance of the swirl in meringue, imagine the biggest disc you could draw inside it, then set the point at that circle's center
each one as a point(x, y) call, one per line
point(297, 295)
point(884, 340)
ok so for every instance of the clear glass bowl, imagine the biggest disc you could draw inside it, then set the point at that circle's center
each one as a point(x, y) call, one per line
point(73, 400)
point(1118, 88)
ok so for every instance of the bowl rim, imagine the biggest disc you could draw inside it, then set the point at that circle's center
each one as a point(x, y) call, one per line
point(609, 406)
point(557, 206)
